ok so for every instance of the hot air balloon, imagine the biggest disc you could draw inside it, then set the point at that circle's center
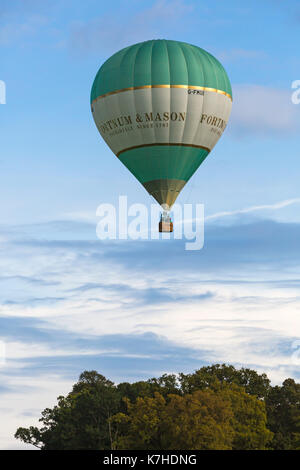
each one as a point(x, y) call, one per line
point(161, 106)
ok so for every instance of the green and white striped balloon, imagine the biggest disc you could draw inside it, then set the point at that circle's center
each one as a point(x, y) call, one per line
point(161, 106)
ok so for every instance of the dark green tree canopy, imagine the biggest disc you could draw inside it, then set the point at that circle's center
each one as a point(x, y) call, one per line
point(217, 406)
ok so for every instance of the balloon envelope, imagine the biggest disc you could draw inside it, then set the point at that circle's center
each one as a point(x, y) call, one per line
point(161, 106)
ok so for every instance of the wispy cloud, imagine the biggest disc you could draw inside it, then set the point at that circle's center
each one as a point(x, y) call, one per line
point(13, 31)
point(110, 33)
point(134, 310)
point(247, 210)
point(231, 55)
point(263, 111)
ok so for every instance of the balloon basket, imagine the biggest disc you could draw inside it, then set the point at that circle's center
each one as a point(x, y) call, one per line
point(165, 223)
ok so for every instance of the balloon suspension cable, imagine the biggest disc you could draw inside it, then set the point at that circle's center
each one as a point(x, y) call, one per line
point(165, 223)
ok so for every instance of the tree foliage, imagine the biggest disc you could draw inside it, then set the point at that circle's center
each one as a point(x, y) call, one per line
point(216, 407)
point(253, 383)
point(283, 405)
point(80, 420)
point(222, 418)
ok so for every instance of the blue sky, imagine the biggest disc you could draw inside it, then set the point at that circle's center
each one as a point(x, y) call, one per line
point(132, 310)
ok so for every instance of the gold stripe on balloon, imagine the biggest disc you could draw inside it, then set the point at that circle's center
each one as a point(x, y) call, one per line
point(163, 143)
point(187, 87)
